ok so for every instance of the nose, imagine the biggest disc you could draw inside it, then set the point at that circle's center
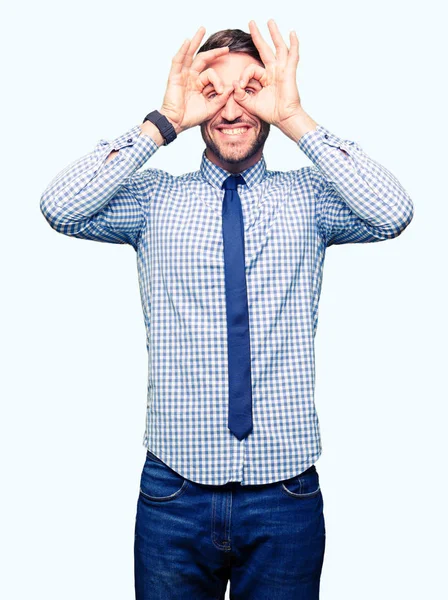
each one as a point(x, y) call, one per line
point(232, 110)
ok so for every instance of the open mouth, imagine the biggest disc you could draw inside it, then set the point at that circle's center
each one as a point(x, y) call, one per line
point(234, 132)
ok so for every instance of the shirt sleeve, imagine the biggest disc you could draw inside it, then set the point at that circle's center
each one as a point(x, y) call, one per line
point(357, 199)
point(105, 202)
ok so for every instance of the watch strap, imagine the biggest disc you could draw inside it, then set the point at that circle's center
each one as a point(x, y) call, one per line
point(166, 129)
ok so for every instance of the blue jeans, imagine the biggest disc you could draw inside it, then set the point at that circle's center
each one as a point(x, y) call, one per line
point(191, 539)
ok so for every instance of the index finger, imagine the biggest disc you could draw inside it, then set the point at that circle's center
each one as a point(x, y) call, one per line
point(254, 73)
point(204, 58)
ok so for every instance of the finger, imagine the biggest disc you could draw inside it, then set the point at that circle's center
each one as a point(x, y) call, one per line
point(210, 76)
point(279, 42)
point(219, 100)
point(293, 55)
point(266, 54)
point(253, 71)
point(178, 59)
point(194, 45)
point(241, 96)
point(204, 58)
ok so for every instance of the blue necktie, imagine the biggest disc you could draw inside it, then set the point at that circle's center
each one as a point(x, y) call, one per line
point(238, 341)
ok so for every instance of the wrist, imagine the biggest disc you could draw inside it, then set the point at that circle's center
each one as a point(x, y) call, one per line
point(177, 128)
point(148, 128)
point(297, 125)
point(160, 127)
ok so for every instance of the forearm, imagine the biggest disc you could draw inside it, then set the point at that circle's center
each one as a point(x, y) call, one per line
point(84, 187)
point(347, 179)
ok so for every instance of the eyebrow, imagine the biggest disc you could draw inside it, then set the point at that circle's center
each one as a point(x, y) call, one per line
point(251, 82)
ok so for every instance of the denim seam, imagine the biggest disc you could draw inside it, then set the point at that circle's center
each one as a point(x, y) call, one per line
point(300, 495)
point(228, 520)
point(180, 491)
point(225, 547)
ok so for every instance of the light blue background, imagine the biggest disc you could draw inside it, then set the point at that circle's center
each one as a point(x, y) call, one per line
point(74, 366)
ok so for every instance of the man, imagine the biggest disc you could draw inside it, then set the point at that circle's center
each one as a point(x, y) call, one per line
point(230, 261)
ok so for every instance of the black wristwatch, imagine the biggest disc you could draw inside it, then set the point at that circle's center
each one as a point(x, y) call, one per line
point(163, 125)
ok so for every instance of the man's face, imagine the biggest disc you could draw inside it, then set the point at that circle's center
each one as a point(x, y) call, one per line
point(239, 150)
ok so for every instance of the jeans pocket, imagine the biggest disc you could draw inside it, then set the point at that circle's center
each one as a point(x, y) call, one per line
point(305, 485)
point(159, 483)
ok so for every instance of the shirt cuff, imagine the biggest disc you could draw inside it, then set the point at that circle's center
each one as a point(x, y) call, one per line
point(135, 146)
point(316, 144)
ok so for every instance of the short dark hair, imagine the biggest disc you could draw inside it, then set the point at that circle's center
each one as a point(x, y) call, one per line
point(236, 39)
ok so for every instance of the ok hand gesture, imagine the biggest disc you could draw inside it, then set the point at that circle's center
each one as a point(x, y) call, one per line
point(278, 99)
point(184, 103)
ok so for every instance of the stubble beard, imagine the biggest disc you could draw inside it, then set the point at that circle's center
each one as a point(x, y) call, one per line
point(238, 152)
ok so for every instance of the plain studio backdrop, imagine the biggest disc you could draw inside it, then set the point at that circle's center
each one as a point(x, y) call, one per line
point(73, 354)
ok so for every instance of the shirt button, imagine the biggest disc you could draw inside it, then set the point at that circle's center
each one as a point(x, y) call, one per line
point(326, 136)
point(129, 140)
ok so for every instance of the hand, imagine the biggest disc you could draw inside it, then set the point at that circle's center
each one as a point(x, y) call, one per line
point(278, 98)
point(184, 103)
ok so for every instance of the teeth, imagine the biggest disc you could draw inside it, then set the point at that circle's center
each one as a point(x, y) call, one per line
point(234, 131)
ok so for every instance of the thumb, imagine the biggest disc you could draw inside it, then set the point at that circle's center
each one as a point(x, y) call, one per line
point(220, 99)
point(240, 95)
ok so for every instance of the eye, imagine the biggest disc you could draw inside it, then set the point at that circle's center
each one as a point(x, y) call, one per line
point(249, 90)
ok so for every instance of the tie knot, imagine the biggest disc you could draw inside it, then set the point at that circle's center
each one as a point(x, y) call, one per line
point(231, 182)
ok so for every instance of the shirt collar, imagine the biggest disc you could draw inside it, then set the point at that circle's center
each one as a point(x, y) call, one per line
point(216, 175)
